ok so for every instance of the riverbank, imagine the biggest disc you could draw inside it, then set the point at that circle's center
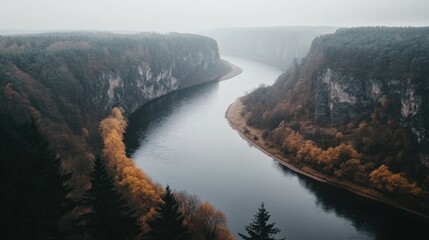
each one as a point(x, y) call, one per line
point(234, 71)
point(254, 137)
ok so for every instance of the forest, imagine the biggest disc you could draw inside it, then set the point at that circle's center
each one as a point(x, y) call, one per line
point(355, 108)
point(120, 201)
point(64, 171)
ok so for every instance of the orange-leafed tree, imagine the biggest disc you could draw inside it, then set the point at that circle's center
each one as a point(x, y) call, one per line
point(393, 183)
point(139, 189)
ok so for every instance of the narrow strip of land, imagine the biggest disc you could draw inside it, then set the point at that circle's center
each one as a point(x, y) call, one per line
point(235, 70)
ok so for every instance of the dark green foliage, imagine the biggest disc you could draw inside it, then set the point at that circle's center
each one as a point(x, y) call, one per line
point(108, 215)
point(168, 223)
point(382, 52)
point(67, 78)
point(260, 229)
point(34, 193)
point(396, 60)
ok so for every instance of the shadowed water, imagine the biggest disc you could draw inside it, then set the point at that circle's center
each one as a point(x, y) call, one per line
point(185, 141)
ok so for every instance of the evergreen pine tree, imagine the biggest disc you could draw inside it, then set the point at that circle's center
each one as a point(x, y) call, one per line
point(52, 185)
point(34, 191)
point(168, 223)
point(109, 216)
point(259, 229)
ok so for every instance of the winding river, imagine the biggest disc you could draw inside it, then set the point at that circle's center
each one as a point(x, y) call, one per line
point(185, 141)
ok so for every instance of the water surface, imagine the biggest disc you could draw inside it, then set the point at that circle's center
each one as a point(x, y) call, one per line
point(185, 141)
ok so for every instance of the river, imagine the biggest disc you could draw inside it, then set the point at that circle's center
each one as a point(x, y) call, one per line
point(184, 140)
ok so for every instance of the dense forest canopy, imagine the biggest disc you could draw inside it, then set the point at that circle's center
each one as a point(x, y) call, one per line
point(356, 108)
point(72, 80)
point(395, 53)
point(64, 84)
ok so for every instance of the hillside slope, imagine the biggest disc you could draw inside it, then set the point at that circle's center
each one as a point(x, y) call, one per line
point(356, 109)
point(56, 89)
point(71, 81)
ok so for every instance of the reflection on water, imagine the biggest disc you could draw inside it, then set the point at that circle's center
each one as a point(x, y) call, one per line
point(184, 140)
point(160, 109)
point(366, 215)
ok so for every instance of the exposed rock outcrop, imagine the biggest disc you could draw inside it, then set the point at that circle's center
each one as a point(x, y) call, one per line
point(361, 89)
point(70, 81)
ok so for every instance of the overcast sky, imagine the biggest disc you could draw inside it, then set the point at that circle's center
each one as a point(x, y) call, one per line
point(200, 15)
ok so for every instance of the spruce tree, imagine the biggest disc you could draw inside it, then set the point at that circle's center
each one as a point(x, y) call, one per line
point(168, 223)
point(52, 189)
point(34, 191)
point(109, 216)
point(260, 229)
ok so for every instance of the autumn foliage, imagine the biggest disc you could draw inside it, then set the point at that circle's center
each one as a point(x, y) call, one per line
point(371, 141)
point(342, 161)
point(204, 221)
point(58, 80)
point(141, 191)
point(389, 182)
point(309, 152)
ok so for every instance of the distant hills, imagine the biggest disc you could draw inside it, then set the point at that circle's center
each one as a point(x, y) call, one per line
point(278, 46)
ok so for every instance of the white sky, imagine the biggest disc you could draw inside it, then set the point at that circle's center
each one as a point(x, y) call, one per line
point(199, 15)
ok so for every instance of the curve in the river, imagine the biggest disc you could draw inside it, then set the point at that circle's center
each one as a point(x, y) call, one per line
point(184, 140)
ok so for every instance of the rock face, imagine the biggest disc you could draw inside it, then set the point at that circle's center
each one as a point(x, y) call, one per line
point(342, 97)
point(278, 46)
point(107, 70)
point(366, 88)
point(71, 81)
point(385, 77)
point(131, 84)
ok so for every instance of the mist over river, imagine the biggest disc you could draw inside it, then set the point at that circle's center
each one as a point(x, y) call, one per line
point(184, 140)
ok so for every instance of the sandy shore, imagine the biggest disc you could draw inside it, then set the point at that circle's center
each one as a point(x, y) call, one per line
point(254, 137)
point(235, 70)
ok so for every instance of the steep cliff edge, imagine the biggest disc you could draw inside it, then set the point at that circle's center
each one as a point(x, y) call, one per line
point(278, 46)
point(71, 81)
point(355, 109)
